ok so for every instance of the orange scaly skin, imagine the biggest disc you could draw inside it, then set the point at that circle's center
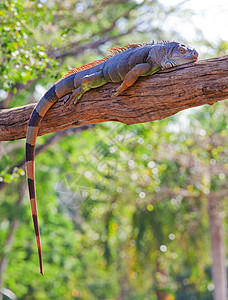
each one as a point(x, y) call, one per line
point(124, 65)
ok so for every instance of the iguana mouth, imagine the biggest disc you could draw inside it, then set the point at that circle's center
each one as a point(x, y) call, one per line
point(195, 54)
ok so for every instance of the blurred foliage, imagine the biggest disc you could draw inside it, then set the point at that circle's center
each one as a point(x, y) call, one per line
point(123, 210)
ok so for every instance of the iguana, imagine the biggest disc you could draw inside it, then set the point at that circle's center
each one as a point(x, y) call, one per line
point(124, 65)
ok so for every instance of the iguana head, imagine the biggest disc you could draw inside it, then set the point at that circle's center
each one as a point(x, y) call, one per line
point(170, 54)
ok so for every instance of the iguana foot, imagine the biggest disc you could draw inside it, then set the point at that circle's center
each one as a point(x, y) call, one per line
point(120, 89)
point(131, 77)
point(116, 93)
point(88, 82)
point(76, 95)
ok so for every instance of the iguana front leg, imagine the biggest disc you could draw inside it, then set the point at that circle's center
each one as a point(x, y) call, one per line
point(143, 69)
point(97, 79)
point(88, 82)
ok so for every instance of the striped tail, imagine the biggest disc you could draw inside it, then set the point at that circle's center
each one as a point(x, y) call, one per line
point(38, 113)
point(61, 88)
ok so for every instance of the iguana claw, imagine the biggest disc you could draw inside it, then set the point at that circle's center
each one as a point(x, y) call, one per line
point(76, 95)
point(114, 94)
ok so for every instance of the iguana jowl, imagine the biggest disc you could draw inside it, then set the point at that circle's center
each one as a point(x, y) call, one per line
point(122, 65)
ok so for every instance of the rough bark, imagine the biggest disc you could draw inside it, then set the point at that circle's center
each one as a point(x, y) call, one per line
point(151, 98)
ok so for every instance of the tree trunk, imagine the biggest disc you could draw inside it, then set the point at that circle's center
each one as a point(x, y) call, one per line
point(218, 249)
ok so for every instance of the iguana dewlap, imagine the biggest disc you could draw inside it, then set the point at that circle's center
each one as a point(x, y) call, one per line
point(122, 65)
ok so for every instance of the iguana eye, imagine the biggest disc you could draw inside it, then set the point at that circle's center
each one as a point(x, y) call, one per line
point(182, 50)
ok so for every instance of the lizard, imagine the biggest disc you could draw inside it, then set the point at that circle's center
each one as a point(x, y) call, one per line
point(125, 65)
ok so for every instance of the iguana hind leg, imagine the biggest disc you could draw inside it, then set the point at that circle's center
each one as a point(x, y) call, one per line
point(88, 82)
point(143, 69)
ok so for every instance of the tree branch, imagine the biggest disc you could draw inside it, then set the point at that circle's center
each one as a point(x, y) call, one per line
point(151, 98)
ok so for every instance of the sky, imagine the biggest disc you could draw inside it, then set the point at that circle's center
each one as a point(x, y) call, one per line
point(210, 16)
